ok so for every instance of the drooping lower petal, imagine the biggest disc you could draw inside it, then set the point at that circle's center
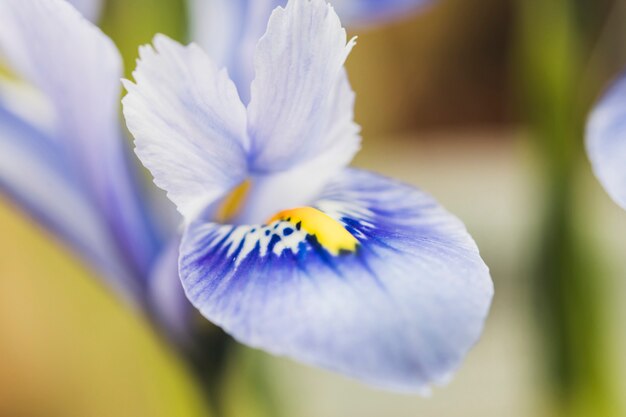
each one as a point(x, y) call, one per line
point(375, 281)
point(606, 141)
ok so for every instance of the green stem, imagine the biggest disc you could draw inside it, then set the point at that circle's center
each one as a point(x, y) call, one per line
point(568, 291)
point(209, 360)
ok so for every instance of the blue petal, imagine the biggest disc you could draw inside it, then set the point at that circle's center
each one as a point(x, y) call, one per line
point(228, 30)
point(89, 8)
point(369, 12)
point(400, 312)
point(33, 173)
point(168, 302)
point(606, 141)
point(77, 68)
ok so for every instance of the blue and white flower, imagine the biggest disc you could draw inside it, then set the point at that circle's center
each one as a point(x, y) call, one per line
point(284, 247)
point(606, 141)
point(58, 115)
point(59, 123)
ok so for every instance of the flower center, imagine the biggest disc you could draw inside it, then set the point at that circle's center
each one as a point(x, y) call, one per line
point(330, 234)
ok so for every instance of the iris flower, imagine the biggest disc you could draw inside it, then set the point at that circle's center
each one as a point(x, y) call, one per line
point(606, 141)
point(58, 120)
point(283, 246)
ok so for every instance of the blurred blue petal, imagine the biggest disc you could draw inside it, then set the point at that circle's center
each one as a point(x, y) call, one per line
point(35, 175)
point(188, 122)
point(606, 141)
point(77, 68)
point(400, 312)
point(230, 29)
point(299, 185)
point(370, 12)
point(89, 8)
point(169, 303)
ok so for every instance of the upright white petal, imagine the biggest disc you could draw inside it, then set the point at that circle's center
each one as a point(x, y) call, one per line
point(299, 67)
point(301, 184)
point(188, 122)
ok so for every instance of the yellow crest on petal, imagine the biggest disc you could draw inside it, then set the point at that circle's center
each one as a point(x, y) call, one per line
point(330, 234)
point(231, 205)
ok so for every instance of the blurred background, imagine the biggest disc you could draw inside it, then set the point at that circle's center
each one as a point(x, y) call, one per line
point(480, 103)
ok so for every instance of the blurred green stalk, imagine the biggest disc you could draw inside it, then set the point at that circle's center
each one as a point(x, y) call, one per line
point(554, 44)
point(131, 23)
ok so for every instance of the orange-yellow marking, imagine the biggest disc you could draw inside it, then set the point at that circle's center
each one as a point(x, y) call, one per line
point(232, 203)
point(331, 234)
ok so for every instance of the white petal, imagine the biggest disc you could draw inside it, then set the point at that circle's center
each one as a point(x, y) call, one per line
point(188, 122)
point(299, 65)
point(302, 184)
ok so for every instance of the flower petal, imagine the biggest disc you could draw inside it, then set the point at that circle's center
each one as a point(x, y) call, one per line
point(377, 282)
point(168, 302)
point(606, 141)
point(77, 68)
point(301, 184)
point(230, 29)
point(89, 8)
point(299, 65)
point(369, 12)
point(34, 175)
point(188, 122)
